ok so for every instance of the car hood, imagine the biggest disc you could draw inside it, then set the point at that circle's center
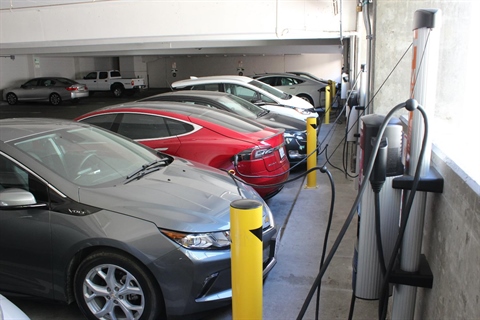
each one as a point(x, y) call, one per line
point(298, 102)
point(178, 197)
point(276, 120)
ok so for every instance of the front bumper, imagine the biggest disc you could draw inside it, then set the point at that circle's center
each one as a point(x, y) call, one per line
point(194, 281)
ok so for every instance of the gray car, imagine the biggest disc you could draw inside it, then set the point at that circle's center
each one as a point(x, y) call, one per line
point(51, 89)
point(128, 233)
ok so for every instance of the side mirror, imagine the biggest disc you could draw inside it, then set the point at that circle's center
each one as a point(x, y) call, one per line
point(16, 197)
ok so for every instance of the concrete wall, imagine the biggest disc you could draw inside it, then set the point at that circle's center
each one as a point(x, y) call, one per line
point(451, 244)
point(325, 66)
point(452, 223)
point(456, 116)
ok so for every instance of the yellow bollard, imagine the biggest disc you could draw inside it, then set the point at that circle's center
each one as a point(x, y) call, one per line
point(247, 259)
point(327, 105)
point(311, 146)
point(333, 88)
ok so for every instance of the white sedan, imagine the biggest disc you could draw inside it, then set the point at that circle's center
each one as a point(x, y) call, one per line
point(303, 87)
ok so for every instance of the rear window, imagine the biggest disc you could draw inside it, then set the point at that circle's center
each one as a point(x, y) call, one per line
point(144, 126)
point(231, 121)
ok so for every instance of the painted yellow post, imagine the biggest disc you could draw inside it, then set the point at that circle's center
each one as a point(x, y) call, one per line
point(333, 88)
point(311, 146)
point(247, 259)
point(327, 105)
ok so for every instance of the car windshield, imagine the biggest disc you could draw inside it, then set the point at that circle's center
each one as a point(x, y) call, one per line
point(242, 107)
point(277, 93)
point(87, 156)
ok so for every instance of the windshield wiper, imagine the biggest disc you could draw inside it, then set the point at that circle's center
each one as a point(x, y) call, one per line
point(146, 169)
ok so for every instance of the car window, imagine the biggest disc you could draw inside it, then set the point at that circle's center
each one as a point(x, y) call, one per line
point(31, 83)
point(177, 128)
point(14, 176)
point(102, 75)
point(270, 80)
point(273, 91)
point(144, 126)
point(115, 74)
point(65, 81)
point(206, 87)
point(104, 120)
point(91, 75)
point(47, 83)
point(242, 92)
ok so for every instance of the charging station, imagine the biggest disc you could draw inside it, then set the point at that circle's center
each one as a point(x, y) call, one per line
point(379, 209)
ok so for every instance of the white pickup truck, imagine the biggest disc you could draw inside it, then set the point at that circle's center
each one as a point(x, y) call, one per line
point(112, 81)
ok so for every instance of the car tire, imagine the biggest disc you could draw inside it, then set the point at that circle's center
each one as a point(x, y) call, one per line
point(12, 98)
point(55, 99)
point(101, 293)
point(306, 98)
point(117, 90)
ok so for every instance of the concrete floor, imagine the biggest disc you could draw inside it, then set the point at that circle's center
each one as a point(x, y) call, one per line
point(301, 215)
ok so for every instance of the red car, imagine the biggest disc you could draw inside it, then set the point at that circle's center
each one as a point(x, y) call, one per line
point(223, 140)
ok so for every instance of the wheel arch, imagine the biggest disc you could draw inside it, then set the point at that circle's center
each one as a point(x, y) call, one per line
point(117, 84)
point(307, 96)
point(87, 251)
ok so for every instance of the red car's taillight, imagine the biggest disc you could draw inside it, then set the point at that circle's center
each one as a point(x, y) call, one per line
point(260, 153)
point(255, 153)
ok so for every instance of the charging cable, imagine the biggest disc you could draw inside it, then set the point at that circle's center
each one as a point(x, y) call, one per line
point(410, 105)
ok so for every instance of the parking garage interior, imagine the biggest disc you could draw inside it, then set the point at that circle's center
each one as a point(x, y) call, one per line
point(165, 41)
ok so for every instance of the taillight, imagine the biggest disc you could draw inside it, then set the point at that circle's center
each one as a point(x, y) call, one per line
point(71, 88)
point(260, 153)
point(255, 153)
point(132, 82)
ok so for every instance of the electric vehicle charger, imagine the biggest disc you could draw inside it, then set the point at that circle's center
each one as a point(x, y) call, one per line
point(410, 105)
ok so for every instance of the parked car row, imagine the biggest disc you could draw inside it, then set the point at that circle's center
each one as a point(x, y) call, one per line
point(126, 210)
point(125, 231)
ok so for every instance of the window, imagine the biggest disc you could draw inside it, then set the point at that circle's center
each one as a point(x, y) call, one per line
point(102, 75)
point(206, 87)
point(142, 126)
point(105, 120)
point(91, 76)
point(177, 127)
point(14, 176)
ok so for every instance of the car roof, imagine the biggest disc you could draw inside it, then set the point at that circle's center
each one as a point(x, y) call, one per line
point(168, 106)
point(17, 128)
point(214, 95)
point(287, 74)
point(211, 79)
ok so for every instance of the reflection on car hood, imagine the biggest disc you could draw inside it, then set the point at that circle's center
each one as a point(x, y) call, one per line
point(179, 197)
point(276, 120)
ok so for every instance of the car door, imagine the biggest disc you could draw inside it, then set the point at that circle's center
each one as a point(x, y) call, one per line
point(25, 235)
point(29, 90)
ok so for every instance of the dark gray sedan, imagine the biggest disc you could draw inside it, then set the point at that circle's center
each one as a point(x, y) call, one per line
point(51, 89)
point(126, 232)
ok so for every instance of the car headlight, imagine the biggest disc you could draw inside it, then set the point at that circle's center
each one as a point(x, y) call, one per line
point(203, 241)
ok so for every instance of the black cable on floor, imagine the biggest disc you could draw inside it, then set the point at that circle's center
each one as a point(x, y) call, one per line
point(325, 241)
